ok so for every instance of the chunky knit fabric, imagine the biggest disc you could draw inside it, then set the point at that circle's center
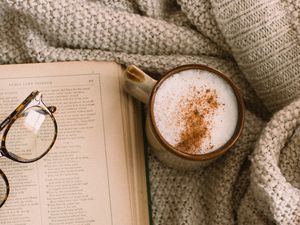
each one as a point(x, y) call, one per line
point(255, 42)
point(275, 181)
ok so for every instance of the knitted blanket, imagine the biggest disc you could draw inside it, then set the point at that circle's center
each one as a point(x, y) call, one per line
point(254, 42)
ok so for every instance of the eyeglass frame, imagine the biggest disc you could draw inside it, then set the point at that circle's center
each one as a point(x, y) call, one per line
point(33, 100)
point(2, 174)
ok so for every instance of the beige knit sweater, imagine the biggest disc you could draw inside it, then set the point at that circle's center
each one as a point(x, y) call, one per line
point(255, 42)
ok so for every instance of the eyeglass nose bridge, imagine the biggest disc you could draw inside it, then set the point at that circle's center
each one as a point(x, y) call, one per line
point(38, 101)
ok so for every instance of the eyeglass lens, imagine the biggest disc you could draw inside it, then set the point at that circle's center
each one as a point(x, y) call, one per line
point(31, 135)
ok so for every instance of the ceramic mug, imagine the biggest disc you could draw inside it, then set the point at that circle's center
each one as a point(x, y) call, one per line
point(144, 88)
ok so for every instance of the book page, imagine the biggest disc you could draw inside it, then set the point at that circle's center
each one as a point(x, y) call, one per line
point(88, 177)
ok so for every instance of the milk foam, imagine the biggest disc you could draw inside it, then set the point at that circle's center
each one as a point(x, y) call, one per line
point(168, 117)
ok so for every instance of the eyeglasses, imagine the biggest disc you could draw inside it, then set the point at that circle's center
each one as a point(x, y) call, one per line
point(30, 133)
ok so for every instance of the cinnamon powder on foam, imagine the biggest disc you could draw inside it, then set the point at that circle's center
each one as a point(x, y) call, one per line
point(196, 113)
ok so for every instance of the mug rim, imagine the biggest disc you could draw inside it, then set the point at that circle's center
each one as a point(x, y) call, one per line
point(210, 155)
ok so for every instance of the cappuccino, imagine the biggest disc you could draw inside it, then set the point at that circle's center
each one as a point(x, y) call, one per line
point(195, 111)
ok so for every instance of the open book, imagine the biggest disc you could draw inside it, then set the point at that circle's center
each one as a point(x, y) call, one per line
point(95, 173)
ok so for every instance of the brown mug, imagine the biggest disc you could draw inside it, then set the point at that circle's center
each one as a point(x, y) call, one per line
point(144, 88)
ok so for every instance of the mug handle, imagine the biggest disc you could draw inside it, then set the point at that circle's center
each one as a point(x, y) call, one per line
point(138, 84)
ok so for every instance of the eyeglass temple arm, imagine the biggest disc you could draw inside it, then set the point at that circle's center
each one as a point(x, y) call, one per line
point(4, 123)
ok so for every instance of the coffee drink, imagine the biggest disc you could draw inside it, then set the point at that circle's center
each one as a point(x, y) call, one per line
point(195, 111)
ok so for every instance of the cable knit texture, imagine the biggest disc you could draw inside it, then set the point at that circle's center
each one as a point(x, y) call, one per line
point(254, 42)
